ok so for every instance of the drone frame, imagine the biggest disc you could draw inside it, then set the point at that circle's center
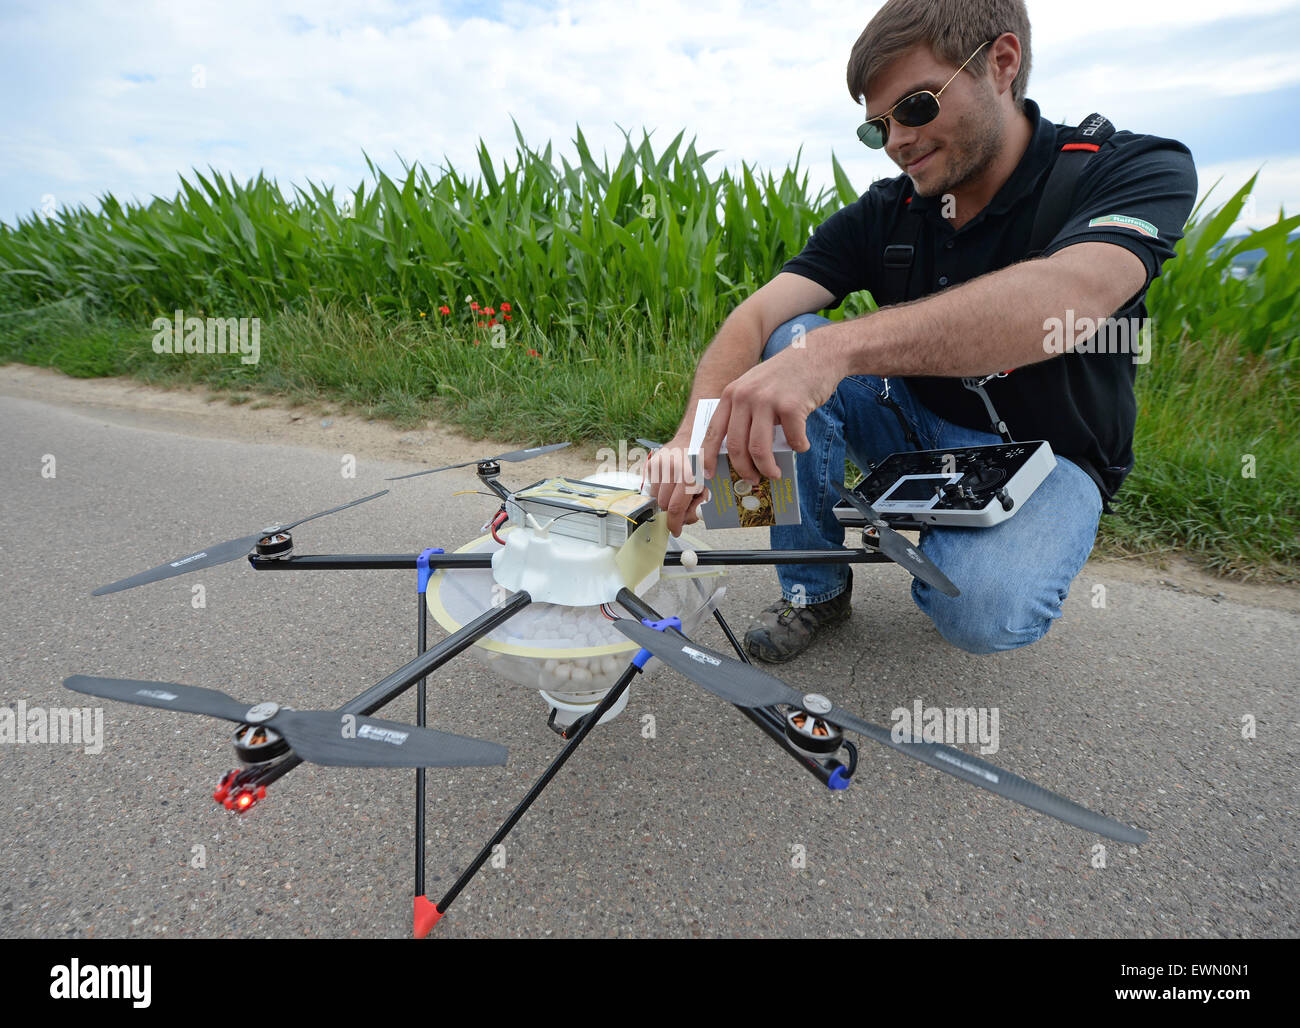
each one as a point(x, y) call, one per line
point(240, 789)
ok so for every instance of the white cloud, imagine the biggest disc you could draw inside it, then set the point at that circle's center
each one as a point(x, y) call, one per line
point(1127, 21)
point(1259, 74)
point(1278, 185)
point(300, 90)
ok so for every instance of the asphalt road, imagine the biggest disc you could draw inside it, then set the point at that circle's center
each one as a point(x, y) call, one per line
point(1134, 709)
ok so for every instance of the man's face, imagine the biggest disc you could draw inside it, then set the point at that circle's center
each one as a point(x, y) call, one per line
point(960, 143)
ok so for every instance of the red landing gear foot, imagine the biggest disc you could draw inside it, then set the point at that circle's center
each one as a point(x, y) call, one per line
point(223, 787)
point(237, 797)
point(426, 916)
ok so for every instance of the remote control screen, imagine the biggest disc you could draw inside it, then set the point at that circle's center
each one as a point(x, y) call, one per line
point(918, 488)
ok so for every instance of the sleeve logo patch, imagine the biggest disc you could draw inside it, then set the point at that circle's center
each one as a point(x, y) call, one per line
point(1124, 221)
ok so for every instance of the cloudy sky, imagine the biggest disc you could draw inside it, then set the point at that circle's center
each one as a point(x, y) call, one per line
point(122, 95)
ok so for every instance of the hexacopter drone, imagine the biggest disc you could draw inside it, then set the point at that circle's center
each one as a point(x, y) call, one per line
point(537, 604)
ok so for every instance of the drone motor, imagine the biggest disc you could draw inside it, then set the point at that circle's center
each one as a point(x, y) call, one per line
point(275, 545)
point(809, 732)
point(258, 744)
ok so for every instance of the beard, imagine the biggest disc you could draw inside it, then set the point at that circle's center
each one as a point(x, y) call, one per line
point(976, 141)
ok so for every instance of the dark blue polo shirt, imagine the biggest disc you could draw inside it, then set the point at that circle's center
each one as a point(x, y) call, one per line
point(1136, 192)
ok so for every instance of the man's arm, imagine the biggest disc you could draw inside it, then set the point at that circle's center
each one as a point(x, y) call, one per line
point(736, 349)
point(995, 322)
point(991, 324)
point(738, 346)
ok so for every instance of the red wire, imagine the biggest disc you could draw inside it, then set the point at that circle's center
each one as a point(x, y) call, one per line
point(497, 522)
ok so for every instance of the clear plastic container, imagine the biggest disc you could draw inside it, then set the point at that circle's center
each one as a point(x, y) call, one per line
point(573, 653)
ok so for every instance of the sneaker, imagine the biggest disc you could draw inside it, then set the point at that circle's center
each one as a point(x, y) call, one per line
point(785, 630)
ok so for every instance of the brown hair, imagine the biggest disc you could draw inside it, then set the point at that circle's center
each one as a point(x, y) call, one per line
point(952, 28)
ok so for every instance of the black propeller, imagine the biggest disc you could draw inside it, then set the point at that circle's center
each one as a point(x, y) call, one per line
point(320, 736)
point(513, 457)
point(220, 553)
point(897, 548)
point(748, 686)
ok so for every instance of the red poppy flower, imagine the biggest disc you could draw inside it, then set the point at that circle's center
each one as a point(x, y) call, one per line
point(474, 306)
point(488, 311)
point(506, 307)
point(507, 317)
point(534, 353)
point(444, 310)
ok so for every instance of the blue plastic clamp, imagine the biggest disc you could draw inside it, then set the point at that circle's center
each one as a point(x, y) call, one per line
point(643, 655)
point(659, 626)
point(422, 568)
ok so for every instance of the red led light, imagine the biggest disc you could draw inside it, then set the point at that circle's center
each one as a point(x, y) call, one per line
point(223, 787)
point(244, 801)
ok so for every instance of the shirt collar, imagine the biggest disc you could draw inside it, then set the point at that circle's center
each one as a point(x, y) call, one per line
point(1036, 160)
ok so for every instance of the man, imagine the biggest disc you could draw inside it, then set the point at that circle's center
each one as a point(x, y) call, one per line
point(943, 84)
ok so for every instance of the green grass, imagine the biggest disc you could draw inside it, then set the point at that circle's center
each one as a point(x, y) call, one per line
point(1218, 464)
point(616, 277)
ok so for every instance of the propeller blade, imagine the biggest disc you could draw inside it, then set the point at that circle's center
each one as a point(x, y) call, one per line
point(315, 735)
point(165, 695)
point(513, 457)
point(318, 736)
point(748, 686)
point(649, 444)
point(220, 553)
point(897, 548)
point(516, 456)
point(988, 776)
point(741, 684)
point(334, 510)
point(212, 556)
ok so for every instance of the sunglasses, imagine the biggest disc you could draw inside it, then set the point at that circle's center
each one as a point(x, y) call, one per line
point(913, 111)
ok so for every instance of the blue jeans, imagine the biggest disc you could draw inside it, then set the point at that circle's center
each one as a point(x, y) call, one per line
point(1013, 577)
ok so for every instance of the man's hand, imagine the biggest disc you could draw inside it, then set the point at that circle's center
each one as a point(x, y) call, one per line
point(735, 350)
point(675, 489)
point(781, 391)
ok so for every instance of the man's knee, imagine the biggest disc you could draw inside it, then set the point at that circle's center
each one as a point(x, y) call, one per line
point(792, 333)
point(989, 617)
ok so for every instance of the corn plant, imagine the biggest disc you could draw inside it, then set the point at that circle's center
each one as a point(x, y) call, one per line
point(1199, 297)
point(572, 246)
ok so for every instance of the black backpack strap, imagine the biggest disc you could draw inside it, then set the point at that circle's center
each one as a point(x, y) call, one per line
point(1058, 195)
point(900, 257)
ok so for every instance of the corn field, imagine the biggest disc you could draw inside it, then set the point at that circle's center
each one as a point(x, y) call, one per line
point(654, 236)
